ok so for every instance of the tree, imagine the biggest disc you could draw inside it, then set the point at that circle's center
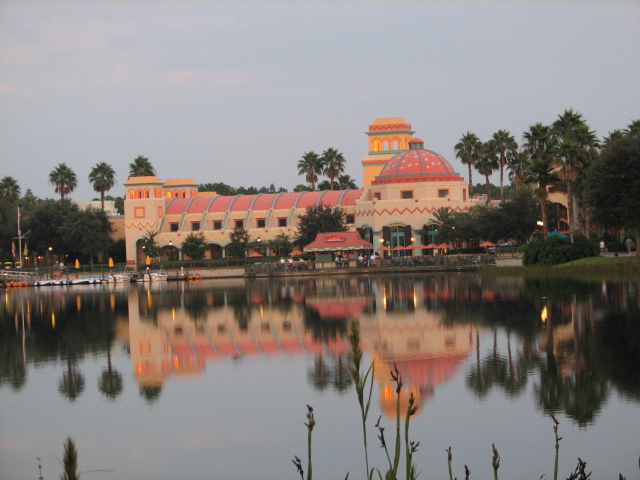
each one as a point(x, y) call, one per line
point(310, 165)
point(110, 382)
point(614, 185)
point(239, 237)
point(506, 146)
point(333, 164)
point(9, 190)
point(88, 232)
point(45, 222)
point(281, 245)
point(63, 179)
point(540, 173)
point(194, 246)
point(141, 167)
point(103, 178)
point(468, 150)
point(345, 182)
point(445, 219)
point(486, 163)
point(319, 219)
point(150, 246)
point(575, 149)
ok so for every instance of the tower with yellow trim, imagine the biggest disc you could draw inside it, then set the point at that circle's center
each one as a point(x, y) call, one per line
point(387, 137)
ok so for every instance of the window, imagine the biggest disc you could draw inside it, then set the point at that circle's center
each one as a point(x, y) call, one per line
point(443, 193)
point(282, 222)
point(217, 225)
point(350, 219)
point(173, 227)
point(376, 196)
point(169, 195)
point(406, 194)
point(261, 223)
point(239, 223)
point(195, 226)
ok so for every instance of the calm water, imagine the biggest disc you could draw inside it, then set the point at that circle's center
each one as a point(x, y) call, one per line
point(211, 379)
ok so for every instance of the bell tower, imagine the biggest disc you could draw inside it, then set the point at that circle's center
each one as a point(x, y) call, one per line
point(387, 137)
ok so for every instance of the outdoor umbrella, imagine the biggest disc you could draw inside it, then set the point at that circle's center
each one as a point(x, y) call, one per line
point(432, 245)
point(487, 244)
point(444, 245)
point(255, 254)
point(295, 253)
point(77, 263)
point(398, 248)
point(110, 262)
point(556, 233)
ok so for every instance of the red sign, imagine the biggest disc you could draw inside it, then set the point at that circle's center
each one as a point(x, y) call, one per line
point(335, 238)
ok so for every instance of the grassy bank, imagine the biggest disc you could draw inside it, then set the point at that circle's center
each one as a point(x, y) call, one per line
point(622, 267)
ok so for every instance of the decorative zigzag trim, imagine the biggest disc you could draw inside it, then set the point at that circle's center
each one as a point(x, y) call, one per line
point(404, 210)
point(140, 224)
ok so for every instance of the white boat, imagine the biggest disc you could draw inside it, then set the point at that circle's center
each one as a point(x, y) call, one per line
point(158, 276)
point(118, 278)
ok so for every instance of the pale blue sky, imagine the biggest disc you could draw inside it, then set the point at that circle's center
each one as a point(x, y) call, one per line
point(236, 92)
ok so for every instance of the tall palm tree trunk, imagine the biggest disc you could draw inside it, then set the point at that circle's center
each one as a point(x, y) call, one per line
point(570, 208)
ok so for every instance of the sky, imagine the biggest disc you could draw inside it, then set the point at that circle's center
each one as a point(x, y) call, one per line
point(238, 91)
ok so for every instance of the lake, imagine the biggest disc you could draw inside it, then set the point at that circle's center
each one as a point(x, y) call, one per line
point(212, 379)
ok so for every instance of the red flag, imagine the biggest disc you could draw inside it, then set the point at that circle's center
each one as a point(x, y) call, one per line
point(13, 249)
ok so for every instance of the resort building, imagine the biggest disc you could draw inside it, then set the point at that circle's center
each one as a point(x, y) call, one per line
point(404, 185)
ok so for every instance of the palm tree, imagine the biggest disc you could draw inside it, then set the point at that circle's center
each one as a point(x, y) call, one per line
point(468, 151)
point(633, 129)
point(64, 179)
point(333, 164)
point(9, 190)
point(345, 182)
point(486, 163)
point(540, 173)
point(103, 178)
point(576, 147)
point(141, 167)
point(505, 146)
point(518, 164)
point(311, 166)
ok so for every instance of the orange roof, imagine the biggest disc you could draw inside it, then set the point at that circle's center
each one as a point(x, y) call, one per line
point(337, 241)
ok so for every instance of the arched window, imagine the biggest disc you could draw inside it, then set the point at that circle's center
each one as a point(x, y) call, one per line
point(139, 193)
point(132, 194)
point(158, 193)
point(183, 194)
point(146, 193)
point(176, 193)
point(169, 195)
point(376, 145)
point(396, 144)
point(385, 145)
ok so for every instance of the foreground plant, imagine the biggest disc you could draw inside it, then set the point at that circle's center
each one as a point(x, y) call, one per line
point(360, 382)
point(296, 461)
point(70, 461)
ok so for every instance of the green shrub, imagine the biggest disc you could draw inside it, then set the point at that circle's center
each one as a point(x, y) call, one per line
point(556, 250)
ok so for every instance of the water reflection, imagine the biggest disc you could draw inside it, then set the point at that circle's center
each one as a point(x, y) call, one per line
point(575, 341)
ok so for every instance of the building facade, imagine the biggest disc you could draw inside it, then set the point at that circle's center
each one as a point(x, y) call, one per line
point(404, 186)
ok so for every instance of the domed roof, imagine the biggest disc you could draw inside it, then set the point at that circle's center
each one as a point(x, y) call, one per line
point(416, 165)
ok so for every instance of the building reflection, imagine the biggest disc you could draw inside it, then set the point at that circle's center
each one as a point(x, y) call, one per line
point(180, 336)
point(407, 335)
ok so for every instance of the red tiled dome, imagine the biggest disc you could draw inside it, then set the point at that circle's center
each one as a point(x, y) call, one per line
point(416, 165)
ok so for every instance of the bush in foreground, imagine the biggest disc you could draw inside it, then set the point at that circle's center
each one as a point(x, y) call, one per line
point(556, 250)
